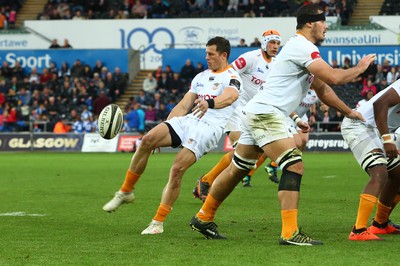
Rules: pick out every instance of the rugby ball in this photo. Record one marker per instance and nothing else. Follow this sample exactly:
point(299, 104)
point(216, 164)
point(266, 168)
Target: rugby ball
point(110, 121)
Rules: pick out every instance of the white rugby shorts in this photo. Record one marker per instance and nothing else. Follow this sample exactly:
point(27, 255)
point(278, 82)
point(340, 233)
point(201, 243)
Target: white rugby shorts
point(196, 135)
point(261, 129)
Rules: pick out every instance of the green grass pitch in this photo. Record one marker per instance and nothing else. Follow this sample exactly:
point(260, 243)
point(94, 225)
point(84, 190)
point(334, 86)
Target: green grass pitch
point(60, 196)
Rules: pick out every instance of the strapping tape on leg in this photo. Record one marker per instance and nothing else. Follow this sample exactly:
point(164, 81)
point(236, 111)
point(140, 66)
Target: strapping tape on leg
point(373, 159)
point(243, 163)
point(289, 157)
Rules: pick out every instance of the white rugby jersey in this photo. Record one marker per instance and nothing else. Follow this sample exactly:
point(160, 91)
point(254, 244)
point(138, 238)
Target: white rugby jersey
point(289, 80)
point(310, 99)
point(209, 84)
point(253, 68)
point(367, 109)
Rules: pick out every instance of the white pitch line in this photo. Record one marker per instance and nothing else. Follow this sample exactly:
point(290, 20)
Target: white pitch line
point(21, 214)
point(329, 176)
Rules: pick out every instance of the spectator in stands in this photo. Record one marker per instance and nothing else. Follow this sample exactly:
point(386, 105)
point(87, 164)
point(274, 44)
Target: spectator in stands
point(379, 76)
point(150, 115)
point(103, 73)
point(78, 15)
point(332, 7)
point(392, 75)
point(61, 126)
point(256, 43)
point(386, 67)
point(64, 71)
point(335, 64)
point(77, 69)
point(251, 9)
point(142, 98)
point(150, 84)
point(346, 63)
point(170, 105)
point(24, 96)
point(54, 44)
point(139, 10)
point(242, 43)
point(187, 72)
point(159, 9)
point(199, 68)
point(163, 84)
point(87, 72)
point(120, 80)
point(113, 90)
point(97, 68)
point(157, 73)
point(120, 14)
point(66, 44)
point(264, 9)
point(100, 102)
point(12, 18)
point(383, 84)
point(162, 113)
point(110, 15)
point(337, 122)
point(3, 20)
point(220, 6)
point(9, 117)
point(345, 11)
point(45, 76)
point(135, 118)
point(169, 71)
point(77, 126)
point(176, 85)
point(369, 94)
point(232, 5)
point(368, 87)
point(325, 126)
point(6, 70)
point(34, 76)
point(156, 101)
point(18, 71)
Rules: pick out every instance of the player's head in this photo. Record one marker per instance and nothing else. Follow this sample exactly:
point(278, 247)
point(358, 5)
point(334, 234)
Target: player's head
point(218, 50)
point(270, 42)
point(312, 18)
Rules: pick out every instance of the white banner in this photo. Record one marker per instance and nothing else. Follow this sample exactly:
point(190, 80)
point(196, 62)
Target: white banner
point(391, 23)
point(151, 36)
point(92, 142)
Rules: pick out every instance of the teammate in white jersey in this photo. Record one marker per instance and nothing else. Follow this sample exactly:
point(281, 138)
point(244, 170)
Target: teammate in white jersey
point(213, 93)
point(300, 136)
point(264, 125)
point(377, 153)
point(253, 67)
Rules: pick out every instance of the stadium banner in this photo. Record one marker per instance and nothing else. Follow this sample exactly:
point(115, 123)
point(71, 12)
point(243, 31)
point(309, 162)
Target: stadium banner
point(326, 142)
point(328, 53)
point(392, 23)
point(93, 142)
point(40, 59)
point(126, 142)
point(40, 142)
point(151, 36)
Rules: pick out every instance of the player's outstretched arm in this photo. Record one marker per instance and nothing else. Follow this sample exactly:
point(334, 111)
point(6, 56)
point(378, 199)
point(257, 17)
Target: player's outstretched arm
point(337, 76)
point(328, 96)
point(184, 105)
point(228, 97)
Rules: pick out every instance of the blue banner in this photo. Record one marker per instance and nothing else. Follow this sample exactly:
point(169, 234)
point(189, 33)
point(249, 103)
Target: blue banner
point(40, 59)
point(176, 57)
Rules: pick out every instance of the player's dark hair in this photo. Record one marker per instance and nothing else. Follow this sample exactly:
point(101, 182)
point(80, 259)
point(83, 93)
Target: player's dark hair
point(309, 13)
point(223, 45)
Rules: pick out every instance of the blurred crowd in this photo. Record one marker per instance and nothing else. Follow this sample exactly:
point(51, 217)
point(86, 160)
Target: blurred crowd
point(33, 101)
point(122, 9)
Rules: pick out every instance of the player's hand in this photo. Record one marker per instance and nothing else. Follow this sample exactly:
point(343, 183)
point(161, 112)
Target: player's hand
point(391, 150)
point(304, 126)
point(355, 115)
point(200, 108)
point(364, 62)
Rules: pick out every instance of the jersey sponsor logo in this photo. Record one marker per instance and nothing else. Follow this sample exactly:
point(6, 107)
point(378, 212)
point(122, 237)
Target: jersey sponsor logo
point(240, 63)
point(315, 55)
point(206, 96)
point(257, 80)
point(260, 70)
point(234, 83)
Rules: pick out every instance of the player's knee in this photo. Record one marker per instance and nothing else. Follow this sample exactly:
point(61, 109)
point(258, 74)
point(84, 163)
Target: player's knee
point(243, 163)
point(291, 157)
point(148, 142)
point(373, 159)
point(289, 181)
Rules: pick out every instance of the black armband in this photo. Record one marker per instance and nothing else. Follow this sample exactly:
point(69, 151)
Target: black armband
point(210, 103)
